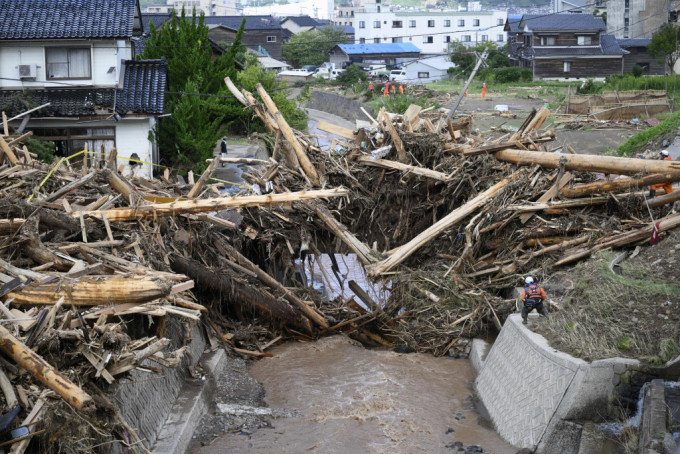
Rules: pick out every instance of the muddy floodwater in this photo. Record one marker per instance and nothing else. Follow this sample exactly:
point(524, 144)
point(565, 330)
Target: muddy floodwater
point(354, 400)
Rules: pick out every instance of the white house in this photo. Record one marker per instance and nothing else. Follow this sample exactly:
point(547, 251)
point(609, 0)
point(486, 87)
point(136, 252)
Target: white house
point(209, 7)
point(78, 55)
point(431, 31)
point(426, 70)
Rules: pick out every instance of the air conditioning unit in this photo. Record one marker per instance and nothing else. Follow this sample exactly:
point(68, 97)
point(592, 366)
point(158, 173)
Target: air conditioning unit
point(27, 71)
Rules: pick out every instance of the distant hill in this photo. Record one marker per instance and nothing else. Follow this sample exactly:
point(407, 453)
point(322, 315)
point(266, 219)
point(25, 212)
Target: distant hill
point(517, 3)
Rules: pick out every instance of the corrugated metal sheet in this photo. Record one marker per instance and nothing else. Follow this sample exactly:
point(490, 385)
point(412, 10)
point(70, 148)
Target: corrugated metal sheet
point(379, 48)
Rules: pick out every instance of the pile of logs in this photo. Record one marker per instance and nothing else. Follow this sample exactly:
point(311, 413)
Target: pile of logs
point(446, 218)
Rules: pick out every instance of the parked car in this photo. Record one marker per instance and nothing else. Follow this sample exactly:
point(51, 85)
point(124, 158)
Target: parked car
point(398, 75)
point(310, 68)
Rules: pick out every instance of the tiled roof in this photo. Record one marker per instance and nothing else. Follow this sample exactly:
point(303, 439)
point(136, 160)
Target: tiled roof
point(569, 21)
point(634, 42)
point(379, 48)
point(252, 22)
point(610, 45)
point(66, 19)
point(143, 92)
point(302, 21)
point(144, 85)
point(512, 24)
point(156, 18)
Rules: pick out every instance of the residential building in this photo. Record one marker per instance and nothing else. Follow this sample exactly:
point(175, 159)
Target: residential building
point(78, 55)
point(260, 33)
point(578, 6)
point(426, 70)
point(636, 18)
point(318, 9)
point(430, 31)
point(297, 24)
point(565, 46)
point(388, 53)
point(639, 55)
point(209, 7)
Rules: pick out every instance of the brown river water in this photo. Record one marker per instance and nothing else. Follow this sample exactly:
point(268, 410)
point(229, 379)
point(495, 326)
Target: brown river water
point(354, 400)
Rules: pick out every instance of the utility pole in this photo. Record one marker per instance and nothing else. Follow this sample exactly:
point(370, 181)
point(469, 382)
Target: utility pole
point(480, 60)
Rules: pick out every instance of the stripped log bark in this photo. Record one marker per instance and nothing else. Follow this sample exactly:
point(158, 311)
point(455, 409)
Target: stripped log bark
point(123, 187)
point(288, 133)
point(200, 206)
point(406, 168)
point(587, 163)
point(549, 194)
point(36, 251)
point(620, 184)
point(200, 184)
point(44, 372)
point(664, 199)
point(457, 215)
point(386, 125)
point(69, 187)
point(94, 292)
point(246, 296)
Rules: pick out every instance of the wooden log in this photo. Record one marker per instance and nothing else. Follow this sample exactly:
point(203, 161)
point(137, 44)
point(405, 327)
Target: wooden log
point(587, 163)
point(549, 194)
point(619, 184)
point(8, 152)
point(154, 210)
point(335, 129)
point(94, 291)
point(388, 164)
point(200, 184)
point(231, 290)
point(69, 187)
point(37, 251)
point(123, 187)
point(44, 372)
point(247, 161)
point(546, 241)
point(386, 125)
point(288, 133)
point(538, 120)
point(363, 296)
point(363, 252)
point(457, 215)
point(664, 199)
point(20, 138)
point(10, 225)
point(305, 308)
point(622, 239)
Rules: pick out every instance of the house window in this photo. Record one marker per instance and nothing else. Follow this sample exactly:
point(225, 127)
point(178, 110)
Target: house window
point(398, 40)
point(567, 66)
point(362, 40)
point(68, 62)
point(411, 24)
point(547, 40)
point(376, 24)
point(584, 40)
point(447, 39)
point(499, 38)
point(271, 39)
point(362, 24)
point(397, 24)
point(428, 39)
point(423, 75)
point(466, 38)
point(430, 23)
point(447, 23)
point(70, 140)
point(626, 4)
point(376, 40)
point(475, 22)
point(461, 23)
point(485, 38)
point(499, 22)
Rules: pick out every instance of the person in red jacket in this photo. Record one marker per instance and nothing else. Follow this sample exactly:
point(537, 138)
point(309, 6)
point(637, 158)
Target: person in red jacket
point(667, 187)
point(532, 298)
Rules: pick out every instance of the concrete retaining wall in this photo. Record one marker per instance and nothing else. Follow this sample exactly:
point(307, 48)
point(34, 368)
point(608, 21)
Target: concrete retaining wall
point(145, 399)
point(531, 389)
point(349, 109)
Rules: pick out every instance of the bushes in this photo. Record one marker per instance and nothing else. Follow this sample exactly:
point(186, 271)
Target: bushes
point(638, 141)
point(510, 74)
point(399, 103)
point(527, 75)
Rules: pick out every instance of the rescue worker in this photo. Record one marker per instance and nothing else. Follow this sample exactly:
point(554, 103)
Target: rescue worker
point(386, 90)
point(223, 150)
point(394, 89)
point(532, 298)
point(371, 88)
point(667, 187)
point(484, 90)
point(401, 89)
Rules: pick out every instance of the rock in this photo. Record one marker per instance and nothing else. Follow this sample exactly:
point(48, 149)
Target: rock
point(473, 449)
point(450, 430)
point(457, 445)
point(525, 451)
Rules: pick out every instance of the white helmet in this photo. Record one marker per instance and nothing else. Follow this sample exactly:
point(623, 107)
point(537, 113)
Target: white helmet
point(664, 152)
point(529, 280)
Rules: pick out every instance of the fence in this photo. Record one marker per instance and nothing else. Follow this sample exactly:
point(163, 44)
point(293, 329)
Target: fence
point(620, 105)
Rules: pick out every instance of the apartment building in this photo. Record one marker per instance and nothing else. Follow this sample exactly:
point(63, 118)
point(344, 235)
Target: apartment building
point(636, 18)
point(430, 31)
point(209, 7)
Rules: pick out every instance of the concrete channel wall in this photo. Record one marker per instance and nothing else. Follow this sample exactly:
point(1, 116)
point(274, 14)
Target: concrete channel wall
point(532, 391)
point(145, 399)
point(349, 109)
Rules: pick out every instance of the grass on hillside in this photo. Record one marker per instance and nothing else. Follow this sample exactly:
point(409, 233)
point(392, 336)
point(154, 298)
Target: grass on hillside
point(638, 141)
point(608, 315)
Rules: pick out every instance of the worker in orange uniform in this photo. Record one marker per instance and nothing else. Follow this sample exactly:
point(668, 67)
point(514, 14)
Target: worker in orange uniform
point(667, 187)
point(532, 298)
point(394, 89)
point(386, 91)
point(401, 89)
point(371, 88)
point(484, 90)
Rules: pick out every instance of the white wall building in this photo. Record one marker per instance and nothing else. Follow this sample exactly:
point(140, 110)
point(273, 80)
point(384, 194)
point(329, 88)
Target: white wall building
point(426, 70)
point(209, 7)
point(429, 31)
point(318, 9)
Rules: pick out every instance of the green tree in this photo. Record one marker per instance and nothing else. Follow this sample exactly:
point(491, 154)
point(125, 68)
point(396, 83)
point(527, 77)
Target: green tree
point(351, 76)
point(464, 57)
point(665, 44)
point(312, 47)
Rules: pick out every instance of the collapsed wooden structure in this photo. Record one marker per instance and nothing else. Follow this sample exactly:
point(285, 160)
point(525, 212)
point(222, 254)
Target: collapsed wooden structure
point(447, 219)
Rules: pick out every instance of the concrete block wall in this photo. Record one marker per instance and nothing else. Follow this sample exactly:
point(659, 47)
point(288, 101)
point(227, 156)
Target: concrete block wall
point(145, 399)
point(531, 389)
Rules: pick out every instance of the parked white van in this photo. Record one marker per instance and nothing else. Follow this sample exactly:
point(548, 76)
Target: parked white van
point(398, 75)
